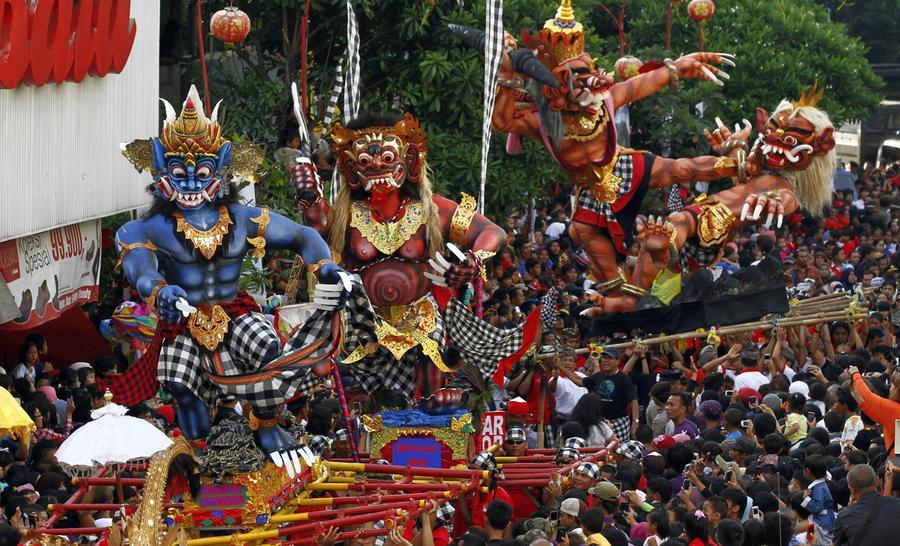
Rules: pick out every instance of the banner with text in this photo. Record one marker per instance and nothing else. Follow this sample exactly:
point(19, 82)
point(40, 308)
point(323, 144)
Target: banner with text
point(51, 271)
point(493, 429)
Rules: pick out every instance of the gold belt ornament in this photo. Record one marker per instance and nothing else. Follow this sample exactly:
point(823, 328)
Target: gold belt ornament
point(602, 182)
point(402, 327)
point(209, 325)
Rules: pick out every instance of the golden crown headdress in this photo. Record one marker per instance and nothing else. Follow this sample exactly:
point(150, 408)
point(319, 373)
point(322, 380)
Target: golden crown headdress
point(810, 98)
point(407, 129)
point(561, 39)
point(191, 133)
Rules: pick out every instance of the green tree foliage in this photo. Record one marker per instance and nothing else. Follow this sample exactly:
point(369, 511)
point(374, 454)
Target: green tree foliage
point(875, 22)
point(411, 62)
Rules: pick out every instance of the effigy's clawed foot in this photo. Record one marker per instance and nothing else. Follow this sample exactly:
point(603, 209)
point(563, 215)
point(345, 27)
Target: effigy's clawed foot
point(289, 459)
point(655, 236)
point(606, 305)
point(281, 447)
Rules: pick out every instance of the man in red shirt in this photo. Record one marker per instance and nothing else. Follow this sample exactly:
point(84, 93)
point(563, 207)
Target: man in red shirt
point(471, 513)
point(526, 500)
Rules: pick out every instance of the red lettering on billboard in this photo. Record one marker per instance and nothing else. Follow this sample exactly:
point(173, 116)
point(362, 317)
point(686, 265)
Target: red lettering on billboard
point(63, 40)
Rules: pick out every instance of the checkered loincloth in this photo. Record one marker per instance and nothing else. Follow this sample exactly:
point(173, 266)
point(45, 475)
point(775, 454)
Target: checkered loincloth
point(621, 427)
point(243, 366)
point(382, 370)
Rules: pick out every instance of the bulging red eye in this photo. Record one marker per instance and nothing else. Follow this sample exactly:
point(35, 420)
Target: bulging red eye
point(789, 140)
point(364, 159)
point(388, 157)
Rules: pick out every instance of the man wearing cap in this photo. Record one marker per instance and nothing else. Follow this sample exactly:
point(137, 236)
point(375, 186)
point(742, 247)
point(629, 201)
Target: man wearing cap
point(340, 447)
point(526, 500)
point(585, 476)
point(515, 443)
point(566, 456)
point(570, 511)
point(607, 495)
point(471, 513)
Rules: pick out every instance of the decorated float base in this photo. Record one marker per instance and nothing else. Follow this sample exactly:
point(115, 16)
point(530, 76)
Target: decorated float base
point(418, 439)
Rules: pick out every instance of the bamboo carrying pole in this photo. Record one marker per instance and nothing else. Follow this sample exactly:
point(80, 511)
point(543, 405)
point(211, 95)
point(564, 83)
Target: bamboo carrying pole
point(728, 330)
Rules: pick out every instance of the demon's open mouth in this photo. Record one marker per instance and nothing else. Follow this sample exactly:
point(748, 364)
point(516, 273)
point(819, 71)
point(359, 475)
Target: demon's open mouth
point(779, 155)
point(190, 199)
point(385, 180)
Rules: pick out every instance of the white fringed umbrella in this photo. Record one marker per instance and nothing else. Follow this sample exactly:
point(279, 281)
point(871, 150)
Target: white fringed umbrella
point(112, 439)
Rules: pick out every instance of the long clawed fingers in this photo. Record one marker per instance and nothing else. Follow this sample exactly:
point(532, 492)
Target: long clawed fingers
point(710, 76)
point(746, 210)
point(727, 58)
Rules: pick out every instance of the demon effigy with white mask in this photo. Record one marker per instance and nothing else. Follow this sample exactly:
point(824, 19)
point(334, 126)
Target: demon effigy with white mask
point(789, 168)
point(184, 257)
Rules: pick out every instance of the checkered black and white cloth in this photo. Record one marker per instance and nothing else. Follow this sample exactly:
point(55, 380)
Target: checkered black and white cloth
point(550, 307)
point(243, 365)
point(632, 449)
point(480, 343)
point(621, 428)
point(567, 454)
point(493, 52)
point(624, 169)
point(351, 92)
point(590, 470)
point(675, 202)
point(516, 434)
point(576, 442)
point(694, 255)
point(381, 370)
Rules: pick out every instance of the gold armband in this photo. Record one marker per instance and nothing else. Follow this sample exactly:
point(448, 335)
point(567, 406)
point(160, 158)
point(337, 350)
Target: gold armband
point(259, 242)
point(126, 248)
point(741, 169)
point(314, 268)
point(151, 299)
point(723, 166)
point(462, 219)
point(633, 290)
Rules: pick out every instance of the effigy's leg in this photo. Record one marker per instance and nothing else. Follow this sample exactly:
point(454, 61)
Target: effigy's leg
point(269, 434)
point(428, 377)
point(661, 241)
point(193, 413)
point(599, 249)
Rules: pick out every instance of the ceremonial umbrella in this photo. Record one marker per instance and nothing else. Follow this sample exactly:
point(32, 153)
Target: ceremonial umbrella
point(112, 439)
point(13, 419)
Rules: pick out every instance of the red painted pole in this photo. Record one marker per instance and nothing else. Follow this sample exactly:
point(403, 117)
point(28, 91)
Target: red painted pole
point(200, 38)
point(669, 28)
point(134, 482)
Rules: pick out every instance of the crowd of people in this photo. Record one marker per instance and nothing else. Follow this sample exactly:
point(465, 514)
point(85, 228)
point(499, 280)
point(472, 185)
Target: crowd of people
point(770, 438)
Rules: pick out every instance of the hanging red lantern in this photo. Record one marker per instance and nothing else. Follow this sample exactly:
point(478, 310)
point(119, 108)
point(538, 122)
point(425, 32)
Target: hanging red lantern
point(628, 67)
point(701, 10)
point(229, 25)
